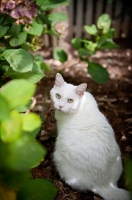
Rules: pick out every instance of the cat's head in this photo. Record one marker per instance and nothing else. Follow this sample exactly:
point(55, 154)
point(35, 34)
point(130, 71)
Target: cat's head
point(67, 97)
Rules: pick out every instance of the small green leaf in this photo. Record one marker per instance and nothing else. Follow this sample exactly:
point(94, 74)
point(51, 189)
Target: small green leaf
point(45, 67)
point(76, 42)
point(98, 73)
point(57, 17)
point(48, 4)
point(37, 189)
point(104, 22)
point(4, 108)
point(92, 30)
point(33, 76)
point(24, 154)
point(31, 122)
point(35, 29)
point(19, 59)
point(59, 54)
point(3, 30)
point(91, 46)
point(15, 29)
point(18, 92)
point(11, 129)
point(83, 52)
point(18, 40)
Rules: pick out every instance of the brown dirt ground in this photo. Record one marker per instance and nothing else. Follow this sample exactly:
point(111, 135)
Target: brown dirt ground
point(114, 99)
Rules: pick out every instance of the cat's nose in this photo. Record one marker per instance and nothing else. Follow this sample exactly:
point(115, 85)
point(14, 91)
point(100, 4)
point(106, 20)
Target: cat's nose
point(60, 106)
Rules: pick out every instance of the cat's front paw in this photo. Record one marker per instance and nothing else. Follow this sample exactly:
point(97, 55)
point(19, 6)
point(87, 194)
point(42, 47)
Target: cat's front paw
point(72, 182)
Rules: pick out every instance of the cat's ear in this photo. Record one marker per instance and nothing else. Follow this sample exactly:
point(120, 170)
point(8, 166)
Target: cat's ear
point(59, 81)
point(80, 89)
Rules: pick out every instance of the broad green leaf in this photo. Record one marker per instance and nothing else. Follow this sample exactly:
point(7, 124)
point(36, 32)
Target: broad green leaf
point(91, 46)
point(35, 29)
point(104, 22)
point(109, 44)
point(31, 122)
point(59, 54)
point(19, 39)
point(7, 194)
point(76, 42)
point(4, 109)
point(19, 59)
point(92, 30)
point(98, 73)
point(33, 76)
point(57, 17)
point(24, 154)
point(24, 108)
point(15, 29)
point(37, 189)
point(11, 129)
point(3, 30)
point(83, 52)
point(50, 4)
point(18, 92)
point(15, 180)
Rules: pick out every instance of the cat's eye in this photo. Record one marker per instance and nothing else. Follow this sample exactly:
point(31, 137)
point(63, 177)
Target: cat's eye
point(70, 100)
point(58, 96)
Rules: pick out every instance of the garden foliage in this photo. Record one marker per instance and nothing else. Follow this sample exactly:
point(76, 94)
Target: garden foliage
point(22, 26)
point(102, 35)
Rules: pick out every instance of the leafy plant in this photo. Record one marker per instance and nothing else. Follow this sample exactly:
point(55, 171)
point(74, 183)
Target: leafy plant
point(102, 39)
point(19, 150)
point(22, 27)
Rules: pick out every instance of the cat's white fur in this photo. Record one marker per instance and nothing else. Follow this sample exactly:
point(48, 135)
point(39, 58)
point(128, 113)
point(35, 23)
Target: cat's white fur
point(86, 154)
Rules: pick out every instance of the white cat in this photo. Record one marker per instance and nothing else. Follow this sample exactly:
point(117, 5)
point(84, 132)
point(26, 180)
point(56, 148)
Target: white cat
point(86, 155)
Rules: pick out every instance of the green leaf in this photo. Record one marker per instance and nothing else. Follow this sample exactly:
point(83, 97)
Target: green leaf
point(45, 67)
point(37, 189)
point(83, 52)
point(15, 29)
point(128, 173)
point(25, 107)
point(11, 129)
point(6, 193)
point(18, 92)
point(31, 122)
point(59, 54)
point(98, 73)
point(50, 4)
point(24, 154)
point(33, 76)
point(3, 30)
point(13, 179)
point(35, 29)
point(109, 34)
point(57, 17)
point(4, 108)
point(76, 42)
point(109, 44)
point(18, 40)
point(104, 22)
point(91, 46)
point(19, 59)
point(92, 30)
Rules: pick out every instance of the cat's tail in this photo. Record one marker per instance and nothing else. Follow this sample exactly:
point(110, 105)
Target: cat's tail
point(114, 193)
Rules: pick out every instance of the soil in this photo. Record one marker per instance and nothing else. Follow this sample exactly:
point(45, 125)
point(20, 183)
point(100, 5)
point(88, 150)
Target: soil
point(114, 100)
